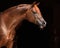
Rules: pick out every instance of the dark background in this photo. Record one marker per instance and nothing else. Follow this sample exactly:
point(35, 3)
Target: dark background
point(30, 35)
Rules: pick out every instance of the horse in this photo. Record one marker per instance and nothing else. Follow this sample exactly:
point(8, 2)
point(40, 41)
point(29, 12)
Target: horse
point(12, 16)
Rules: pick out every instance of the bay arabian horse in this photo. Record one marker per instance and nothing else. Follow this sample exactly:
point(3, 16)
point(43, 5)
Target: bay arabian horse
point(11, 17)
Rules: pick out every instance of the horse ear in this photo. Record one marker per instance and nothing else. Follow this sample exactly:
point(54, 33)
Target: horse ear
point(33, 4)
point(38, 3)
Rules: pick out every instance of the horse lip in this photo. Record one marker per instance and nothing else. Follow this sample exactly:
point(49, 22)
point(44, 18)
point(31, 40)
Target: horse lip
point(42, 26)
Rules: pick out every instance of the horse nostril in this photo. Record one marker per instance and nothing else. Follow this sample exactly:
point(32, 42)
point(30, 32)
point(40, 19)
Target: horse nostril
point(43, 22)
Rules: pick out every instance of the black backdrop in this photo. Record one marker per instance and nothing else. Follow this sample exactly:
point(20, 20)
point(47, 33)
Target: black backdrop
point(30, 35)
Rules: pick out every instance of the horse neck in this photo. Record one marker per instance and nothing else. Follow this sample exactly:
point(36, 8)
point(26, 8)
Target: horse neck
point(11, 22)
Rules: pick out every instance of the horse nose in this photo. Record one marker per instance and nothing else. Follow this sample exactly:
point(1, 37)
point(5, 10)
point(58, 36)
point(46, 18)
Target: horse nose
point(44, 23)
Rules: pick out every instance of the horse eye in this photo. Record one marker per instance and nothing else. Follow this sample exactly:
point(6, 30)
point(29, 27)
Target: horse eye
point(34, 12)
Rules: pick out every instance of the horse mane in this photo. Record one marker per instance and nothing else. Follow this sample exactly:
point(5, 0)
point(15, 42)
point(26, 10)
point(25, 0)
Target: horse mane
point(21, 8)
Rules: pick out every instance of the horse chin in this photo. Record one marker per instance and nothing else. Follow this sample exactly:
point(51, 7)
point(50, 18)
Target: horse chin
point(41, 27)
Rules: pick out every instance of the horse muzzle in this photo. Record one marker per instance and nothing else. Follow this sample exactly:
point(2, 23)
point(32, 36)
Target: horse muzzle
point(43, 24)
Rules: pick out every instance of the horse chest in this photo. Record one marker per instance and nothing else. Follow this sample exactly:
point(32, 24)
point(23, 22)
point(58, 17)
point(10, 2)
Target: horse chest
point(3, 39)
